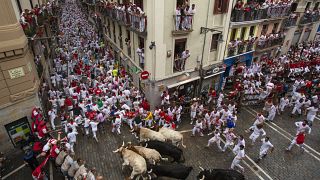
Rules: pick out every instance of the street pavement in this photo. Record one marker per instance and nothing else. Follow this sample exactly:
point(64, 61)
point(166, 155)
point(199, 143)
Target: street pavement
point(279, 165)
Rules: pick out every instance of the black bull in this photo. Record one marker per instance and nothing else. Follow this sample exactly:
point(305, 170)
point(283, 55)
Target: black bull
point(177, 171)
point(220, 174)
point(166, 149)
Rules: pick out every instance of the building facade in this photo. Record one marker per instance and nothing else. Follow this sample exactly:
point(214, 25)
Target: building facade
point(303, 25)
point(155, 38)
point(19, 81)
point(260, 30)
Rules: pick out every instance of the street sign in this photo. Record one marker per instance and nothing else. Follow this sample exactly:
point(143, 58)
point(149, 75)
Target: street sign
point(144, 75)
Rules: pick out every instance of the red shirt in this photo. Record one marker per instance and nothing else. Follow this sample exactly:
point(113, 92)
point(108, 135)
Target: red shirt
point(162, 114)
point(68, 102)
point(167, 118)
point(37, 173)
point(37, 147)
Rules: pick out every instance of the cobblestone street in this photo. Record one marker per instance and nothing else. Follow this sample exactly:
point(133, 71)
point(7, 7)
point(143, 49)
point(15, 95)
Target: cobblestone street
point(277, 165)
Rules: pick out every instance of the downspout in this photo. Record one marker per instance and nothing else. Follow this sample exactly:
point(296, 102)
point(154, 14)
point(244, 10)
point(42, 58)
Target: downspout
point(203, 47)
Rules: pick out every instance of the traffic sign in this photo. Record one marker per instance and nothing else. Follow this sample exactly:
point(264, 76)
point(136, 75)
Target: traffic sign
point(144, 75)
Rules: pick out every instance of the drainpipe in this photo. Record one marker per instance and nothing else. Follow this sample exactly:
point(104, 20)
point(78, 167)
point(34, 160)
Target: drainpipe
point(203, 47)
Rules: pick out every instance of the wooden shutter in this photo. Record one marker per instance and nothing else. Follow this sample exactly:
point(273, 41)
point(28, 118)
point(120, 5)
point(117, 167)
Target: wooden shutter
point(224, 6)
point(215, 7)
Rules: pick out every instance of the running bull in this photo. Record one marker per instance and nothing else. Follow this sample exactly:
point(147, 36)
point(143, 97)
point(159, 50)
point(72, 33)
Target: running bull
point(151, 155)
point(148, 134)
point(177, 171)
point(137, 162)
point(172, 135)
point(219, 174)
point(166, 149)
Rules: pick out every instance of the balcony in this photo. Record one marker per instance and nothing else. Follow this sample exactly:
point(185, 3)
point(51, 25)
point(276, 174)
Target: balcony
point(309, 18)
point(269, 43)
point(182, 24)
point(289, 22)
point(248, 14)
point(133, 21)
point(240, 47)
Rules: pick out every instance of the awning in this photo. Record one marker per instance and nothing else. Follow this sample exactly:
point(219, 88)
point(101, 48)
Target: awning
point(183, 82)
point(213, 75)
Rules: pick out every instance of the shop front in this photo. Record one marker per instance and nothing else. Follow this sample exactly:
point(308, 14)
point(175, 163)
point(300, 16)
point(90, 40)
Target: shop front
point(236, 61)
point(211, 77)
point(232, 64)
point(186, 88)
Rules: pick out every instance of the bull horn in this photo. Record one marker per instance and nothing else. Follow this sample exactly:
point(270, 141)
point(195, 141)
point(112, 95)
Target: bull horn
point(201, 168)
point(115, 151)
point(122, 144)
point(203, 177)
point(146, 145)
point(150, 171)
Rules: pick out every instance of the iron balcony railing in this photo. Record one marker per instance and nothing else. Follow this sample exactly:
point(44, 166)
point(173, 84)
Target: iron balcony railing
point(241, 48)
point(267, 43)
point(309, 18)
point(183, 22)
point(252, 14)
point(289, 22)
point(137, 22)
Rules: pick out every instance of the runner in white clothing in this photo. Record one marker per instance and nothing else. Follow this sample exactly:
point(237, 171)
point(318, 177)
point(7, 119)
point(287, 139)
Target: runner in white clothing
point(236, 161)
point(257, 131)
point(265, 147)
point(312, 113)
point(94, 128)
point(215, 139)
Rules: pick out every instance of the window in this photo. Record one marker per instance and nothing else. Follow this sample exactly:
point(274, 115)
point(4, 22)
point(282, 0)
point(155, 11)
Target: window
point(220, 6)
point(308, 5)
point(251, 32)
point(294, 7)
point(316, 6)
point(275, 27)
point(141, 42)
point(125, 1)
point(264, 29)
point(233, 34)
point(243, 33)
point(139, 3)
point(179, 47)
point(214, 42)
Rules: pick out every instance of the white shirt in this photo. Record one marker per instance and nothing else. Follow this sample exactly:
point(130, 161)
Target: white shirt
point(240, 154)
point(265, 145)
point(312, 111)
point(94, 125)
point(72, 136)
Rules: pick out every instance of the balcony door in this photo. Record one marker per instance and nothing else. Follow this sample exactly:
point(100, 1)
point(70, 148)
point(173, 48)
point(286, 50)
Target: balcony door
point(179, 47)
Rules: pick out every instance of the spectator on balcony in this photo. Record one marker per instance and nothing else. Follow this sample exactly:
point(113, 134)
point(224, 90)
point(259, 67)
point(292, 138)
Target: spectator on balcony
point(184, 56)
point(140, 52)
point(238, 5)
point(191, 13)
point(178, 17)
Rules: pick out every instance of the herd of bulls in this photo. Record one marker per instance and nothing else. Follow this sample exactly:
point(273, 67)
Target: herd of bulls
point(145, 159)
